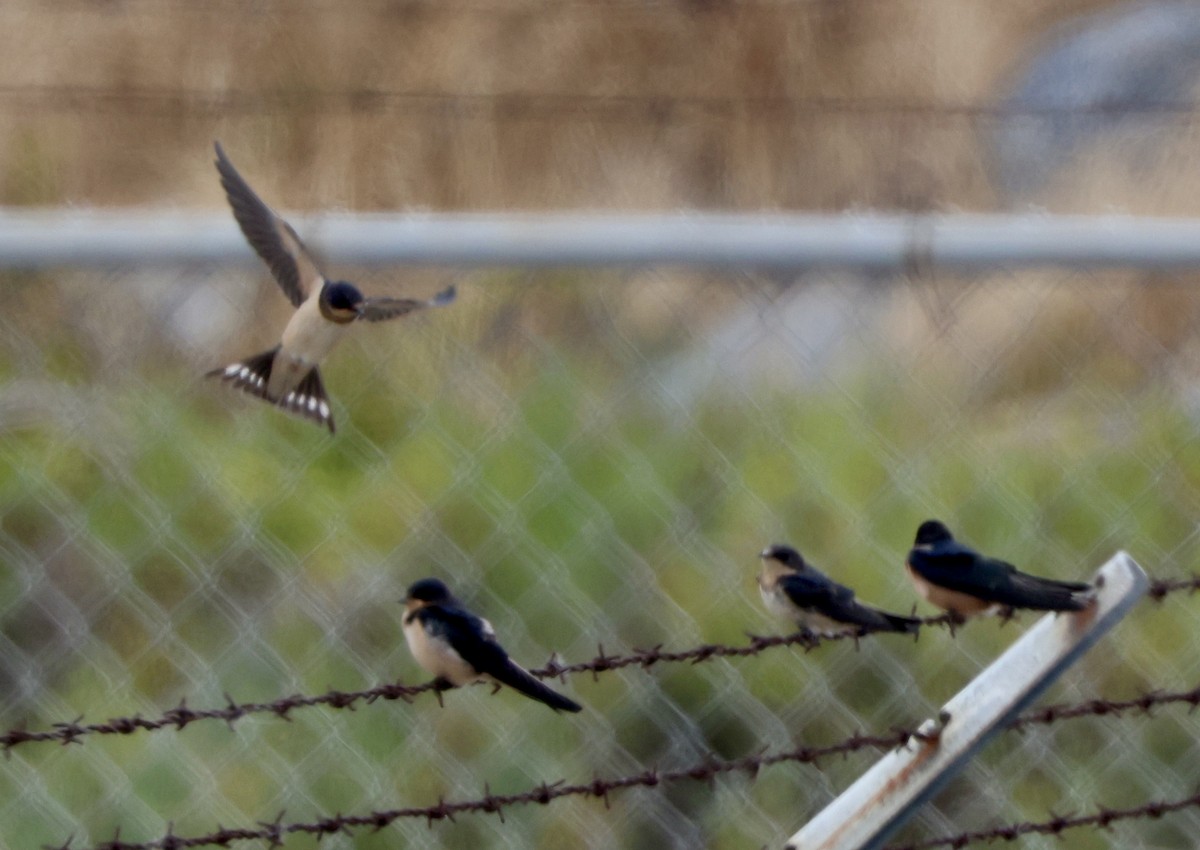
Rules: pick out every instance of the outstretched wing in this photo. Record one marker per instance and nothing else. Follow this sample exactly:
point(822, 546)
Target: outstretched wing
point(382, 309)
point(269, 235)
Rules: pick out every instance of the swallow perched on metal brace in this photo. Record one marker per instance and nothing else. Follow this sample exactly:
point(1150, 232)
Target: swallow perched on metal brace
point(962, 581)
point(287, 375)
point(458, 647)
point(795, 590)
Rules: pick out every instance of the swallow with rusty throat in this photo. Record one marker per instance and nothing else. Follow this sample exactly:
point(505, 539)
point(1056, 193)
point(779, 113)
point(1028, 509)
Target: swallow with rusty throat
point(962, 581)
point(795, 590)
point(287, 375)
point(458, 647)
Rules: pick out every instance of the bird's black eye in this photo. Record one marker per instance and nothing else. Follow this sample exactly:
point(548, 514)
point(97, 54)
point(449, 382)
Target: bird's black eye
point(343, 296)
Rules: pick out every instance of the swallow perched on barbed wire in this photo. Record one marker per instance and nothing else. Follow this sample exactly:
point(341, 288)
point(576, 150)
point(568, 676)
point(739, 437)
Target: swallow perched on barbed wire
point(287, 375)
point(795, 590)
point(962, 581)
point(458, 647)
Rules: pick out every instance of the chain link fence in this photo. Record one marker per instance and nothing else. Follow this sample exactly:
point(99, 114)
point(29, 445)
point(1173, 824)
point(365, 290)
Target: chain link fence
point(592, 459)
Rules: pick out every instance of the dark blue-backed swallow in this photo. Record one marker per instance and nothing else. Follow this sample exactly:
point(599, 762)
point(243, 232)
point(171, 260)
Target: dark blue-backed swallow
point(325, 309)
point(960, 580)
point(794, 589)
point(458, 647)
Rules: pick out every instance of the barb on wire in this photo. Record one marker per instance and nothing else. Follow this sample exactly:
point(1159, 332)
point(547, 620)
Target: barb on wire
point(177, 718)
point(1102, 818)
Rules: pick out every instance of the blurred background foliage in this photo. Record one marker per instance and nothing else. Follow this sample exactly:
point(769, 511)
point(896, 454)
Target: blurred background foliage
point(589, 457)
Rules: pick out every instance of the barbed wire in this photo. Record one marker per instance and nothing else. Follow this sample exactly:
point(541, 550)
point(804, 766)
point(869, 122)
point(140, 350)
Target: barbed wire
point(1102, 818)
point(708, 770)
point(543, 794)
point(177, 718)
point(72, 732)
point(544, 105)
point(1161, 588)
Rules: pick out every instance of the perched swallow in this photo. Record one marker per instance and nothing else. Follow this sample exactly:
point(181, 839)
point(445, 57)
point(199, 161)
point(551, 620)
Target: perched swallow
point(960, 580)
point(325, 309)
point(459, 648)
point(794, 589)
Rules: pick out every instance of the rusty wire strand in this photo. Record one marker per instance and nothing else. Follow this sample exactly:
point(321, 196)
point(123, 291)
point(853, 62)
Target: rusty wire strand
point(526, 106)
point(1102, 818)
point(72, 732)
point(707, 770)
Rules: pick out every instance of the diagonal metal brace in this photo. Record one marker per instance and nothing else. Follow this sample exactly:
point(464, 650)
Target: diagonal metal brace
point(889, 793)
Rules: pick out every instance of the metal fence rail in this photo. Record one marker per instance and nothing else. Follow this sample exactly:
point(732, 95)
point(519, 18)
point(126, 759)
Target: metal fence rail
point(591, 445)
point(44, 238)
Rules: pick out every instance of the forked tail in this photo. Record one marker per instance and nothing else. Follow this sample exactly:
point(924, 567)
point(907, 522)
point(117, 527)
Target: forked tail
point(253, 376)
point(518, 678)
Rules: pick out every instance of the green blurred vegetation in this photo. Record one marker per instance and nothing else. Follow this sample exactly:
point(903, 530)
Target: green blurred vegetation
point(181, 541)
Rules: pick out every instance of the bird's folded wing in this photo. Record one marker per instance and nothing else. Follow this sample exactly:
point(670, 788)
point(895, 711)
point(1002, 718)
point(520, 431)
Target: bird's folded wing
point(964, 571)
point(814, 591)
point(469, 636)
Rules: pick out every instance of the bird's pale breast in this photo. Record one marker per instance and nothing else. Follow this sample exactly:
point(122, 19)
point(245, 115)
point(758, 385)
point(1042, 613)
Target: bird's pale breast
point(306, 340)
point(436, 656)
point(309, 335)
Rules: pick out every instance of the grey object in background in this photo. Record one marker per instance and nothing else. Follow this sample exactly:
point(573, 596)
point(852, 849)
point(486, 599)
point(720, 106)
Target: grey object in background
point(1098, 75)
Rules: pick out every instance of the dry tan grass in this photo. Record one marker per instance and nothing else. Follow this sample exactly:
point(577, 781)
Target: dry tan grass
point(313, 151)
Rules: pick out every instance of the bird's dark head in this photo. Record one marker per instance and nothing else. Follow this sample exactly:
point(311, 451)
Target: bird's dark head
point(427, 591)
point(785, 555)
point(341, 301)
point(931, 531)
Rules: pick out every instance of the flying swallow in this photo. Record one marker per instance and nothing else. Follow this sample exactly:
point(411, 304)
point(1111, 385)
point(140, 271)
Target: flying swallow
point(794, 589)
point(960, 580)
point(458, 647)
point(287, 374)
